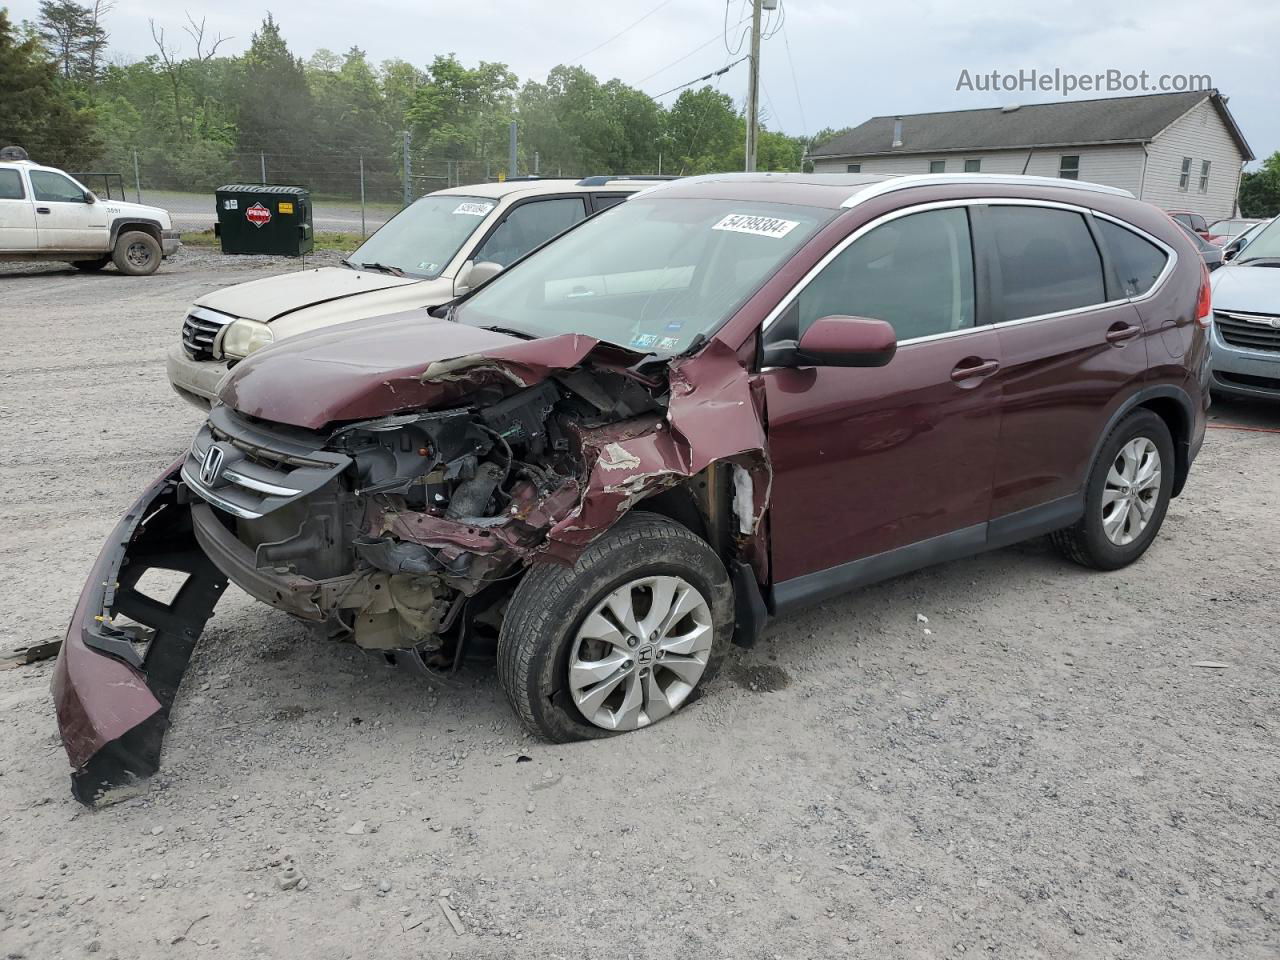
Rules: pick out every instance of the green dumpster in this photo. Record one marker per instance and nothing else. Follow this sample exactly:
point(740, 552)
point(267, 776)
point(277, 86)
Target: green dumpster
point(264, 218)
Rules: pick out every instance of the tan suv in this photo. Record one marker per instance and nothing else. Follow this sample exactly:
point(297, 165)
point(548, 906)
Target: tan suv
point(435, 249)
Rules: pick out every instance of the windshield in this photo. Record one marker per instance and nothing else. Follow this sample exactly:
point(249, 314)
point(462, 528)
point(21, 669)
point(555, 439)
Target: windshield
point(649, 274)
point(421, 239)
point(1264, 244)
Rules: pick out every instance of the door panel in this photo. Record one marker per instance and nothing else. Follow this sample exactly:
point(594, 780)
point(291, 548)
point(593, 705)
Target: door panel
point(1063, 375)
point(64, 221)
point(869, 460)
point(17, 213)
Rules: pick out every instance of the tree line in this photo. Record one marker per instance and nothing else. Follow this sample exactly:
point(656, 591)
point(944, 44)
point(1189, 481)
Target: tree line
point(197, 117)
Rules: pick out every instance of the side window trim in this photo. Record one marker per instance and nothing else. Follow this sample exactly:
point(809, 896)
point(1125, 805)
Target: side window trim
point(981, 283)
point(22, 185)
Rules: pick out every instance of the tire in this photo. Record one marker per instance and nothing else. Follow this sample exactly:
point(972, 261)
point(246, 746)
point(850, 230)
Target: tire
point(550, 617)
point(91, 266)
point(1089, 542)
point(137, 254)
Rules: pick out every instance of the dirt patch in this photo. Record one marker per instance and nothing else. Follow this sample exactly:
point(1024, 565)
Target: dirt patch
point(759, 677)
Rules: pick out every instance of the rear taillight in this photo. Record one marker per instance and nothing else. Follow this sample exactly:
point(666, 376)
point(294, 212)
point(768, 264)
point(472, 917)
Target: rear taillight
point(1204, 306)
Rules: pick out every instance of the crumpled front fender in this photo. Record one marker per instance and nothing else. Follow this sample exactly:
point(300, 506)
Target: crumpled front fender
point(112, 701)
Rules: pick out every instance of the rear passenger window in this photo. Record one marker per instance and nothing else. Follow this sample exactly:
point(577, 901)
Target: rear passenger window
point(1048, 261)
point(11, 185)
point(915, 272)
point(1137, 262)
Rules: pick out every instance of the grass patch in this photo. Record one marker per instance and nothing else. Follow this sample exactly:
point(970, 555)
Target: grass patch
point(324, 240)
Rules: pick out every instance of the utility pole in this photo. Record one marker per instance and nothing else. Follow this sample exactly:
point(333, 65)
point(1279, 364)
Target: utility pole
point(511, 152)
point(753, 87)
point(407, 171)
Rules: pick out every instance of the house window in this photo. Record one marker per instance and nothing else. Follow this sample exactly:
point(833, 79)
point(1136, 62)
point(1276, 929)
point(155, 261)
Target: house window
point(853, 168)
point(1204, 176)
point(937, 166)
point(1184, 179)
point(1069, 167)
point(972, 166)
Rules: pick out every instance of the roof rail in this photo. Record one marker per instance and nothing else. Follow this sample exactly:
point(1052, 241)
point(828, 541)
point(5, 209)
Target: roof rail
point(1009, 180)
point(600, 181)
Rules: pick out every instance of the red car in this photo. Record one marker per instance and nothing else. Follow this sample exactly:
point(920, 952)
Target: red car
point(1196, 224)
point(718, 401)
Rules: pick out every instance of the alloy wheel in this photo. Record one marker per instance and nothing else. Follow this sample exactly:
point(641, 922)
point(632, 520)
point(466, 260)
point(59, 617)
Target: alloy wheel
point(1131, 492)
point(640, 653)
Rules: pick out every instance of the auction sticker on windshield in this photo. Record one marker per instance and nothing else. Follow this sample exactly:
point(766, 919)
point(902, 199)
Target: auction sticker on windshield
point(756, 226)
point(471, 208)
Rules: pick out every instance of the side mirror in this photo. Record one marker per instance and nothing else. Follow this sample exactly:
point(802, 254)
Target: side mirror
point(475, 274)
point(89, 197)
point(836, 342)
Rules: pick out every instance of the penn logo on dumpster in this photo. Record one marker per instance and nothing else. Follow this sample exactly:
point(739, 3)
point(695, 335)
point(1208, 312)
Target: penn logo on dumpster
point(258, 215)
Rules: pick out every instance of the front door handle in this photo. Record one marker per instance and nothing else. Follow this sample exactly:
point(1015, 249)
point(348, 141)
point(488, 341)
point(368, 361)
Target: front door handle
point(1122, 333)
point(973, 368)
point(43, 210)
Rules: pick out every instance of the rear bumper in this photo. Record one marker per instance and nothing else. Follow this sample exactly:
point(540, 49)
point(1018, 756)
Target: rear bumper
point(196, 381)
point(113, 702)
point(1244, 372)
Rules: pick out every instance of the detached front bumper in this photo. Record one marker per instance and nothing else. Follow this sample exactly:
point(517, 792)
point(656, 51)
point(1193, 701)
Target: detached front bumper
point(196, 381)
point(112, 700)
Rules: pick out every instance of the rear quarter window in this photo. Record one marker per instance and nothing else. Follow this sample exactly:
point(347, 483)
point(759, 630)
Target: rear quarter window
point(1138, 263)
point(11, 185)
point(1048, 261)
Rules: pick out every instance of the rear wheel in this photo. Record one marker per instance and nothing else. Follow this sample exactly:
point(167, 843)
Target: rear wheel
point(1126, 497)
point(91, 266)
point(137, 254)
point(621, 639)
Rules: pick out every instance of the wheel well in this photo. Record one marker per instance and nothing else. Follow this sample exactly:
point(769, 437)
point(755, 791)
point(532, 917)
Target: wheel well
point(141, 226)
point(678, 505)
point(1175, 418)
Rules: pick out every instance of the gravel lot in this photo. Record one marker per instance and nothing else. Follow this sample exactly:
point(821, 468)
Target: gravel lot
point(1040, 771)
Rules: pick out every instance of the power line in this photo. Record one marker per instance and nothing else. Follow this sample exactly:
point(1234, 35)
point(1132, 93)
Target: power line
point(701, 46)
point(714, 73)
point(605, 43)
point(795, 84)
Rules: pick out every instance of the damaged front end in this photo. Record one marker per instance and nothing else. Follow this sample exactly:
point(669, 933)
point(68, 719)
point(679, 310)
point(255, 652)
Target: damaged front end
point(404, 532)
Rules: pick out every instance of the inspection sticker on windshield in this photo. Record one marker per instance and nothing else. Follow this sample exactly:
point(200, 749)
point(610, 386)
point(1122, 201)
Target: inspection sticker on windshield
point(757, 226)
point(471, 208)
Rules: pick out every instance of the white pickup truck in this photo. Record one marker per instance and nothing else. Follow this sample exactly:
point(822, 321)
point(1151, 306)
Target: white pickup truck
point(47, 215)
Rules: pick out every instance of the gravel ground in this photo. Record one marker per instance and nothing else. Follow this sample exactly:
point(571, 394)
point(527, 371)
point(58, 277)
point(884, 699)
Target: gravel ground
point(1039, 771)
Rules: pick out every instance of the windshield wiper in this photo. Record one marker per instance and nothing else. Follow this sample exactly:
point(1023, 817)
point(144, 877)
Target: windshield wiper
point(379, 267)
point(522, 335)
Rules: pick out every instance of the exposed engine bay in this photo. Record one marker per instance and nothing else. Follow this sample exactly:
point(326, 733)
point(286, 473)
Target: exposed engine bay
point(413, 516)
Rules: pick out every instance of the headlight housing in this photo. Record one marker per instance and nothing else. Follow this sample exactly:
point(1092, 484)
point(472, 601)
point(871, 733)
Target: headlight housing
point(243, 337)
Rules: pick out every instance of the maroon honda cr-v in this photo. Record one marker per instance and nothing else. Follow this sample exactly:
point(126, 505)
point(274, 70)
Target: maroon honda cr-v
point(722, 399)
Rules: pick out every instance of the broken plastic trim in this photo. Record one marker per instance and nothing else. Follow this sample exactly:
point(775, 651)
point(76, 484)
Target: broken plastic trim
point(112, 703)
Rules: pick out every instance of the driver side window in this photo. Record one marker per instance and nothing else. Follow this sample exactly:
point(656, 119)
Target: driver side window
point(530, 225)
point(55, 188)
point(915, 272)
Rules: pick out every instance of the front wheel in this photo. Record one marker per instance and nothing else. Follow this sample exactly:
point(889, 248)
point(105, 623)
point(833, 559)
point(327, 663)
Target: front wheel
point(1126, 497)
point(137, 254)
point(621, 639)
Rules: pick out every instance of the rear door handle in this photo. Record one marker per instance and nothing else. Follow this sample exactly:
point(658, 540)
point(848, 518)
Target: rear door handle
point(973, 368)
point(43, 210)
point(1121, 334)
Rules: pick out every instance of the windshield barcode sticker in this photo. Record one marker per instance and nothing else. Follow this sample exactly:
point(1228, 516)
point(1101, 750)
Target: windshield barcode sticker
point(471, 208)
point(756, 226)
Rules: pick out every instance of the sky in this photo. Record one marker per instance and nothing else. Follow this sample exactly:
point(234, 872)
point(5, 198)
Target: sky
point(827, 64)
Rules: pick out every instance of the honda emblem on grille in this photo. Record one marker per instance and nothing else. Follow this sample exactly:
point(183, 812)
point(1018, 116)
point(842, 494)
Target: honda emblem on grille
point(211, 469)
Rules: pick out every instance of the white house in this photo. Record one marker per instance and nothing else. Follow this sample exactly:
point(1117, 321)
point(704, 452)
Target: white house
point(1179, 151)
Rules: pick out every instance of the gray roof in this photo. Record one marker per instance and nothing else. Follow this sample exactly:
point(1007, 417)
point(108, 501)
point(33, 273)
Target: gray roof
point(1065, 123)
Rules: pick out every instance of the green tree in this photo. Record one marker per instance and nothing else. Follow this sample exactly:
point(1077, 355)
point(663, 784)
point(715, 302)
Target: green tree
point(462, 113)
point(1260, 189)
point(707, 133)
point(36, 107)
point(275, 108)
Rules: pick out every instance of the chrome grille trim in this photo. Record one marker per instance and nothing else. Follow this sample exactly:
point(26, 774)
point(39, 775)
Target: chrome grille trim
point(200, 329)
point(1249, 331)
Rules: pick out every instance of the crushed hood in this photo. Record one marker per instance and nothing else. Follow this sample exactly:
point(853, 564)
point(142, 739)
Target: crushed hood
point(384, 365)
point(273, 297)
